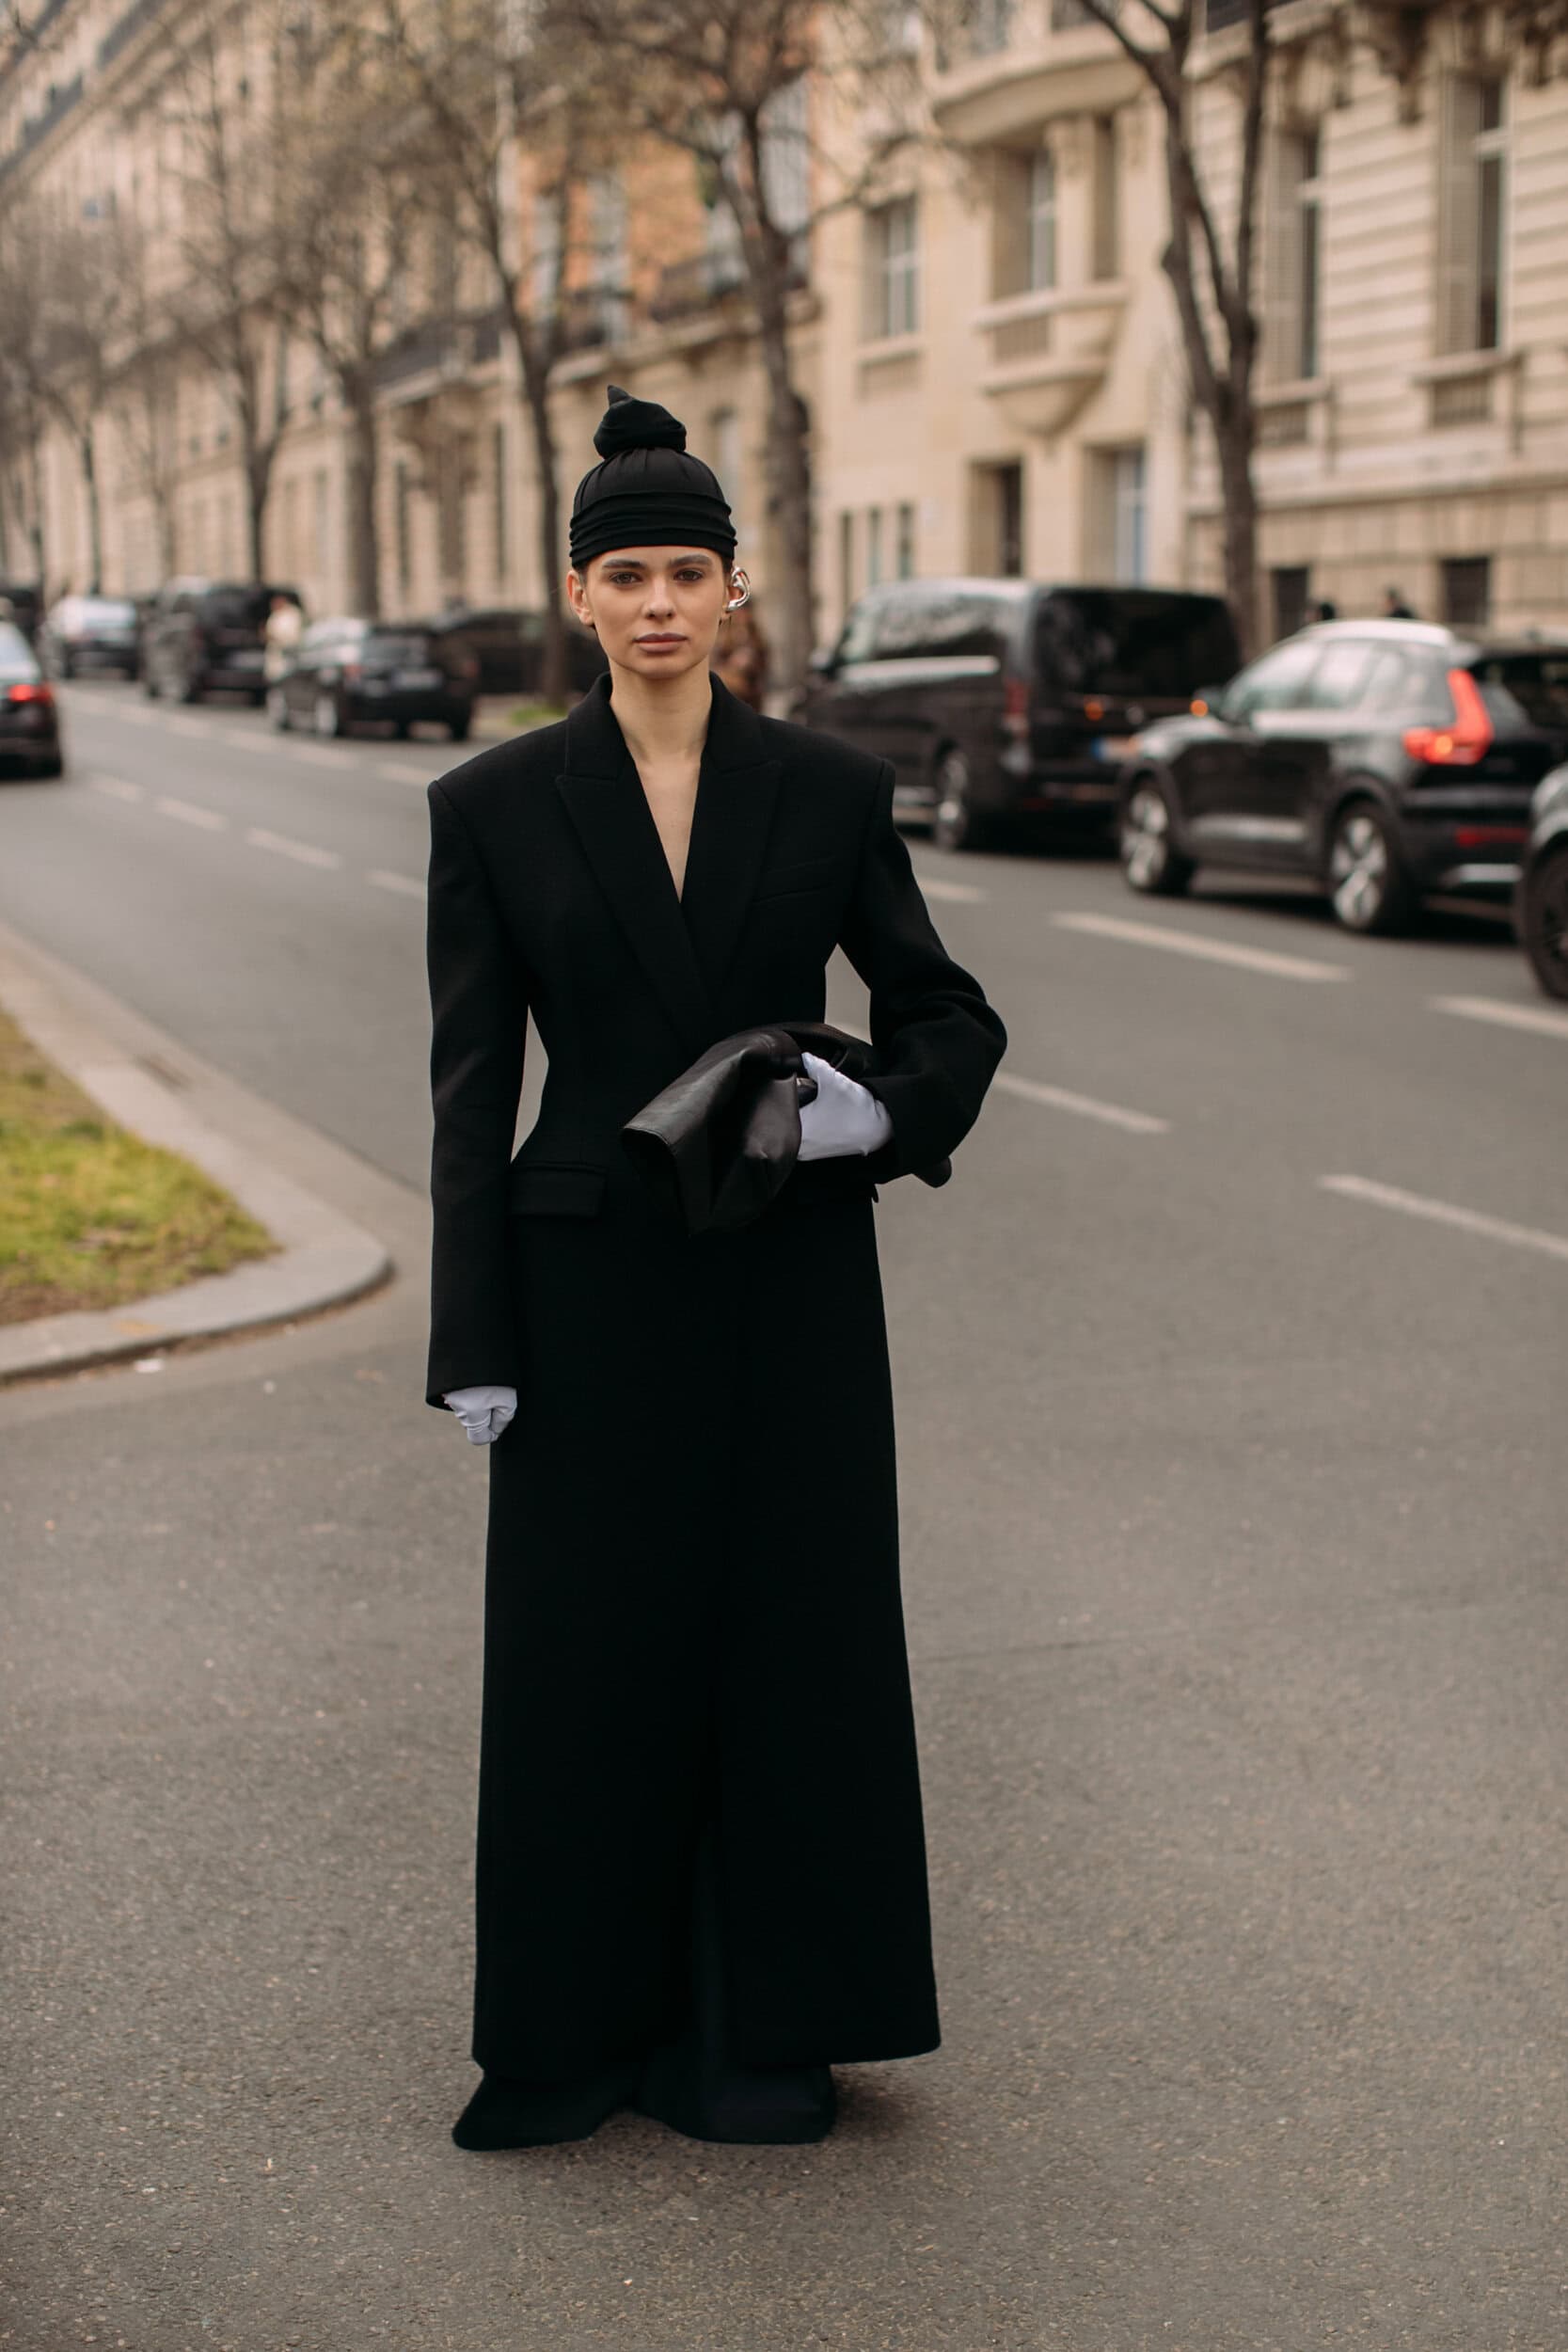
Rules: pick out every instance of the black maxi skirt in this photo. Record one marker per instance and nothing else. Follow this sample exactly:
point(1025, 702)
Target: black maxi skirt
point(694, 1642)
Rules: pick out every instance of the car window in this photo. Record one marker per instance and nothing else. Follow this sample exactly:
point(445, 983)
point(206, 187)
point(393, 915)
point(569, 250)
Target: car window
point(406, 644)
point(858, 638)
point(939, 622)
point(1278, 682)
point(16, 656)
point(1132, 643)
point(1337, 681)
point(1525, 689)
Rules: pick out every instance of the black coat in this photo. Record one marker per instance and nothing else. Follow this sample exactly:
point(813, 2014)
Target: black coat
point(692, 1607)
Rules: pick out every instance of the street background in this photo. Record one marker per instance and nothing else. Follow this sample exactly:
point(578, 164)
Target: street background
point(1232, 1536)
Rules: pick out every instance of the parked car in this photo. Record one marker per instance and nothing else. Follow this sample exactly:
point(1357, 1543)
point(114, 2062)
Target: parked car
point(509, 645)
point(1384, 758)
point(29, 720)
point(25, 601)
point(346, 670)
point(206, 637)
point(1541, 894)
point(90, 633)
point(1001, 699)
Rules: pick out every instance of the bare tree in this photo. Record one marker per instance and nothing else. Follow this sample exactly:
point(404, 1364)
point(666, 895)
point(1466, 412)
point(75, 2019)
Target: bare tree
point(346, 204)
point(729, 83)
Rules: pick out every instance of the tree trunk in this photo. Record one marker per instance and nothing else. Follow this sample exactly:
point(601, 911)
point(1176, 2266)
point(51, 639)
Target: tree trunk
point(554, 682)
point(364, 538)
point(1233, 439)
point(88, 457)
point(790, 609)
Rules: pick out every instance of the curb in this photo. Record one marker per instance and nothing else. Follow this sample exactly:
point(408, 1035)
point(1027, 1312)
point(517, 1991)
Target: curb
point(325, 1258)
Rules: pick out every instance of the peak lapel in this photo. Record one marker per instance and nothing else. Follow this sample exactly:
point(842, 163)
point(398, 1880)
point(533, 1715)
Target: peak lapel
point(605, 799)
point(737, 794)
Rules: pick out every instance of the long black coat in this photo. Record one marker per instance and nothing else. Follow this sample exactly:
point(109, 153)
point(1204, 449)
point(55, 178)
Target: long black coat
point(693, 1608)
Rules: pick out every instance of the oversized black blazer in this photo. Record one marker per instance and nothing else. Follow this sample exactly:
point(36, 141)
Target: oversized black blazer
point(549, 891)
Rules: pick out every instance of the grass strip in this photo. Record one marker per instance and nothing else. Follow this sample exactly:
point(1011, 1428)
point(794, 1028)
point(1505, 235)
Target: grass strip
point(89, 1214)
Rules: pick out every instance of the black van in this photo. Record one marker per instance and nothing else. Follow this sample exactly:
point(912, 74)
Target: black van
point(1001, 699)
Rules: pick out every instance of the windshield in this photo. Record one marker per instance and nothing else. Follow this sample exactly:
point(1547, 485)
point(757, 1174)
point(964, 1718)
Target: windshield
point(1525, 689)
point(108, 611)
point(240, 608)
point(1132, 643)
point(16, 656)
point(403, 645)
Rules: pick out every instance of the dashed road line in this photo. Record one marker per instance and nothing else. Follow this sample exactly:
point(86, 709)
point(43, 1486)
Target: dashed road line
point(117, 788)
point(177, 724)
point(1083, 1106)
point(1445, 1213)
point(960, 894)
point(403, 884)
point(303, 852)
point(1540, 1019)
point(247, 738)
point(321, 755)
point(400, 773)
point(211, 819)
point(1210, 950)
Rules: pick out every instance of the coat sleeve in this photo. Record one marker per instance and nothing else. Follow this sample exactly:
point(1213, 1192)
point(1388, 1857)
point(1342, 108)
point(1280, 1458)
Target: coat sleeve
point(479, 1016)
point(936, 1040)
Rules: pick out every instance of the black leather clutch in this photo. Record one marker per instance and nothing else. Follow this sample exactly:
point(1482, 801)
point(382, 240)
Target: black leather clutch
point(720, 1141)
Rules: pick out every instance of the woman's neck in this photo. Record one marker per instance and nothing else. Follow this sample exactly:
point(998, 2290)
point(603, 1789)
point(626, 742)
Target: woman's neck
point(663, 719)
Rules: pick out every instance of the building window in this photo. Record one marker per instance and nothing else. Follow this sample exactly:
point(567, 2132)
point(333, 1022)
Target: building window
point(500, 526)
point(1468, 590)
point(873, 546)
point(1106, 224)
point(1291, 586)
point(904, 557)
point(545, 262)
point(846, 559)
point(786, 158)
point(997, 520)
point(990, 26)
point(403, 525)
point(1040, 219)
point(1471, 222)
point(1293, 270)
point(323, 521)
point(1123, 519)
point(890, 273)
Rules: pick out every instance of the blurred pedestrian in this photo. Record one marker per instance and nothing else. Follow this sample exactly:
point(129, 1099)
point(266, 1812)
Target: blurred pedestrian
point(1325, 610)
point(285, 625)
point(1395, 606)
point(701, 1874)
point(740, 656)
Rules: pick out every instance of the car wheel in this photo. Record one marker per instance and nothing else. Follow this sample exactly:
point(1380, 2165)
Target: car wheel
point(68, 667)
point(328, 716)
point(53, 766)
point(1543, 922)
point(400, 728)
point(458, 728)
point(1367, 886)
point(955, 823)
point(278, 708)
point(150, 682)
point(1151, 861)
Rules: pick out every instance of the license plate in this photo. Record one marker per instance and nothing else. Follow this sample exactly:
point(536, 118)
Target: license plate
point(1115, 746)
point(416, 678)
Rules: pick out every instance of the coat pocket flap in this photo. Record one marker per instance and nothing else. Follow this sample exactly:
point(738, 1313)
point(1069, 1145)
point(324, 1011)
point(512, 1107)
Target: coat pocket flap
point(546, 1188)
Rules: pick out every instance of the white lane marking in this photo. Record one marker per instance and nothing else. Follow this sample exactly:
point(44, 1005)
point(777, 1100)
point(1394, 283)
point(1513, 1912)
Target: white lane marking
point(322, 756)
point(1539, 1018)
point(1212, 950)
point(1057, 1098)
point(139, 713)
point(961, 894)
point(179, 724)
point(403, 883)
point(304, 852)
point(249, 738)
point(189, 813)
point(117, 788)
point(400, 773)
point(1443, 1213)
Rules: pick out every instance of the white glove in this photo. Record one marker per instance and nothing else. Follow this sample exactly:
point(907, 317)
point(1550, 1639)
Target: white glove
point(484, 1412)
point(845, 1118)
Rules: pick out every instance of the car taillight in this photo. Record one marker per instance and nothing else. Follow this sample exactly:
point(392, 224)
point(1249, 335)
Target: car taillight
point(1015, 706)
point(1465, 740)
point(29, 693)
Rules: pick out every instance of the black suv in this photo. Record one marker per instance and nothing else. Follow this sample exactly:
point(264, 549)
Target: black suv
point(1001, 699)
point(207, 637)
point(1384, 758)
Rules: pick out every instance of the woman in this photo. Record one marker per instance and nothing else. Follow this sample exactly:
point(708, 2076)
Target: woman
point(701, 1874)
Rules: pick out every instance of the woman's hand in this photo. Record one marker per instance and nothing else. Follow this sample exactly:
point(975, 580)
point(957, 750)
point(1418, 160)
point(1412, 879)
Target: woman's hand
point(484, 1412)
point(845, 1118)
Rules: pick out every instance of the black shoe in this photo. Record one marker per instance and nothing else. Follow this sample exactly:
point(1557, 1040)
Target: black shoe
point(754, 2107)
point(508, 2112)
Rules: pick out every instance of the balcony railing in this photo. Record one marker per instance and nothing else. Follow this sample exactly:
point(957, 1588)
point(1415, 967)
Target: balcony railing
point(688, 286)
point(445, 347)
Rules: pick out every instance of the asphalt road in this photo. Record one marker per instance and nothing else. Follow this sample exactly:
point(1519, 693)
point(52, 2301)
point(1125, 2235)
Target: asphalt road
point(1229, 1377)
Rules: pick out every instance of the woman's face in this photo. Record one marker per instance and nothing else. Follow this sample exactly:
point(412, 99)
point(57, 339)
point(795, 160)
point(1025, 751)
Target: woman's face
point(655, 610)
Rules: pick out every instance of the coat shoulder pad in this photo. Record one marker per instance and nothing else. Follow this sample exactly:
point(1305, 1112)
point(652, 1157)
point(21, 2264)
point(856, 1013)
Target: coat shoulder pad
point(824, 753)
point(501, 769)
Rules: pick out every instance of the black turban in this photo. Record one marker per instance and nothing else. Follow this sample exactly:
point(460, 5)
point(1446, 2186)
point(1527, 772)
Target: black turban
point(647, 491)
